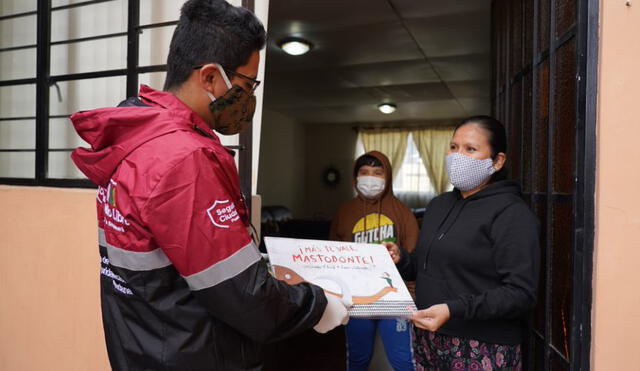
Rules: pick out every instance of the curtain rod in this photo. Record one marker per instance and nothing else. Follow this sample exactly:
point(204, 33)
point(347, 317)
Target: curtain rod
point(416, 126)
point(408, 124)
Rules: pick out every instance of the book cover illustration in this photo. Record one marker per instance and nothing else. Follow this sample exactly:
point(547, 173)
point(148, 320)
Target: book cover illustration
point(361, 273)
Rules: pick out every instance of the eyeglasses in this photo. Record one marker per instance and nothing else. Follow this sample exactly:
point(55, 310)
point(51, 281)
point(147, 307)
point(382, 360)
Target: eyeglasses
point(253, 82)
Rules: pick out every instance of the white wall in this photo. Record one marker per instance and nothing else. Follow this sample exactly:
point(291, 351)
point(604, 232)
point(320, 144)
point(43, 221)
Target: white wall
point(328, 145)
point(293, 157)
point(281, 177)
point(18, 100)
point(262, 12)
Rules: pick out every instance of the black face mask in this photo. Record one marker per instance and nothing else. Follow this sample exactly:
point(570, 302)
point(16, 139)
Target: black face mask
point(233, 111)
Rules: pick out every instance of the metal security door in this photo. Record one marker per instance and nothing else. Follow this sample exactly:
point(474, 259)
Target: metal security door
point(544, 90)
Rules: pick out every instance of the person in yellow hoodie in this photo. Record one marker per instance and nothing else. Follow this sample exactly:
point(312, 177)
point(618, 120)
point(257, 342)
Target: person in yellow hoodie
point(375, 215)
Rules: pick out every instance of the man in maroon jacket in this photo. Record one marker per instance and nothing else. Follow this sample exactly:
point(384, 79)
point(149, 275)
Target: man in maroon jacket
point(183, 285)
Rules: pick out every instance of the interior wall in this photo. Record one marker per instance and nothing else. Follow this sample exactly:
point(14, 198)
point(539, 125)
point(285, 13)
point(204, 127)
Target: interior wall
point(616, 307)
point(261, 10)
point(281, 174)
point(49, 278)
point(328, 145)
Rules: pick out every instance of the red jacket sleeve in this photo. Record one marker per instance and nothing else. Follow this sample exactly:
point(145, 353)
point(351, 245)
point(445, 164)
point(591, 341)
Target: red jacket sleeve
point(193, 218)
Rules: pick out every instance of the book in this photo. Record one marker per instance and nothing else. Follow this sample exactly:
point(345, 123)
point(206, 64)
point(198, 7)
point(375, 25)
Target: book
point(361, 273)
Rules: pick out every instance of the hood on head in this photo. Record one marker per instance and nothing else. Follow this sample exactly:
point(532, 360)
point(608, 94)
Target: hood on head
point(386, 165)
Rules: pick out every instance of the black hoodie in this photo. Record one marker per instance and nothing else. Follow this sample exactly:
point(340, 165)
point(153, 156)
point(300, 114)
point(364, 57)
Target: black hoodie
point(480, 256)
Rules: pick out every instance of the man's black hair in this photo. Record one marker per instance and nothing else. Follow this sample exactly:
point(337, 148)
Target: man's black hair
point(212, 31)
point(366, 160)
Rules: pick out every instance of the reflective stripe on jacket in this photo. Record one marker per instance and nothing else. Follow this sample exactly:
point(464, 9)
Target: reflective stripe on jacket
point(183, 286)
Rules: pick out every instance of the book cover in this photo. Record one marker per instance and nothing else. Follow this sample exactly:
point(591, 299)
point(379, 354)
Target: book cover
point(358, 272)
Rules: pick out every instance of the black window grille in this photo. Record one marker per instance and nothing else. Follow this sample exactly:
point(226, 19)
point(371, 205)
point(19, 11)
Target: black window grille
point(544, 84)
point(26, 158)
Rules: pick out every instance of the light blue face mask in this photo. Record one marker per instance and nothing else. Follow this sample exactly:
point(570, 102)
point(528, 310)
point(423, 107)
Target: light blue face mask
point(467, 173)
point(370, 186)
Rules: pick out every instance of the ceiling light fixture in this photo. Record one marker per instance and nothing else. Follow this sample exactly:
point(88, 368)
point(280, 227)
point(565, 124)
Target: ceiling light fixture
point(387, 108)
point(295, 46)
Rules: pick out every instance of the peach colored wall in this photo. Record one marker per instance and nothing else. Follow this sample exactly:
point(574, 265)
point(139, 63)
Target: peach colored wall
point(616, 310)
point(49, 281)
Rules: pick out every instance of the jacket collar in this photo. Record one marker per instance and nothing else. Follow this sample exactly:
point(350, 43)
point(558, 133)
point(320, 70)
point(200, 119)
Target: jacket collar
point(175, 105)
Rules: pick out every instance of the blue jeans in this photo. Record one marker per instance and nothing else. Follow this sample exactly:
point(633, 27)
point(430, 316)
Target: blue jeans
point(396, 337)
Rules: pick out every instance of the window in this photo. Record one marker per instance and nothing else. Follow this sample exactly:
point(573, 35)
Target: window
point(411, 183)
point(61, 56)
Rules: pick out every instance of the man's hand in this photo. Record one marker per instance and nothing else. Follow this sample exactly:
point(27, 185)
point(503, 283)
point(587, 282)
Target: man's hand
point(394, 251)
point(335, 314)
point(431, 318)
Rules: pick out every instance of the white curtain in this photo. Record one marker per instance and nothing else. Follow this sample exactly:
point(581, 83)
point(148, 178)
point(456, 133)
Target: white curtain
point(417, 157)
point(412, 185)
point(433, 145)
point(391, 142)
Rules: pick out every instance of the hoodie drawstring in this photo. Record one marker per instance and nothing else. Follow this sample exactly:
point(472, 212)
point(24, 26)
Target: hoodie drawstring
point(439, 233)
point(379, 214)
point(364, 213)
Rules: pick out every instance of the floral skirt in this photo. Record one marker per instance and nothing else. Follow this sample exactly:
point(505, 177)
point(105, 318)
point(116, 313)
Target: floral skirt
point(439, 352)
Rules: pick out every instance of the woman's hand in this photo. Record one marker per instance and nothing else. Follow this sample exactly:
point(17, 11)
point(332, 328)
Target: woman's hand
point(394, 251)
point(432, 318)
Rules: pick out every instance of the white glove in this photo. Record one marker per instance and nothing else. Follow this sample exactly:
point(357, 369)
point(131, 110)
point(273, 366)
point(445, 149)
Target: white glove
point(335, 314)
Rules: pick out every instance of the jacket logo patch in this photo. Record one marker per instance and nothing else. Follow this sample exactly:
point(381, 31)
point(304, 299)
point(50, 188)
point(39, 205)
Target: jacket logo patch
point(222, 213)
point(111, 215)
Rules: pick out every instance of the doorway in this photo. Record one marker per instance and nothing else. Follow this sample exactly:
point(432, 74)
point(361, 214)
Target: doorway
point(544, 89)
point(530, 63)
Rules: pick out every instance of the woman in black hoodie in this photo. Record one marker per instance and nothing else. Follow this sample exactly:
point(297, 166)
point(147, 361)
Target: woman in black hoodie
point(476, 262)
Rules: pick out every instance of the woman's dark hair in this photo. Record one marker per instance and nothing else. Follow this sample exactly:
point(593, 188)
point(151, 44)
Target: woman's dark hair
point(366, 160)
point(211, 31)
point(497, 139)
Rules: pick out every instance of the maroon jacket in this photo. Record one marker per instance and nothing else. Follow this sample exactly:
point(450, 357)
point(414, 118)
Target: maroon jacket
point(183, 284)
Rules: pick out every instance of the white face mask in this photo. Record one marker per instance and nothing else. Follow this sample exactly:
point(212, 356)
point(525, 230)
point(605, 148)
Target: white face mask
point(370, 186)
point(467, 173)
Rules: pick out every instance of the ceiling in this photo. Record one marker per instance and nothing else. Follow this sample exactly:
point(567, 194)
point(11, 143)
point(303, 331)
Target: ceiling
point(429, 57)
